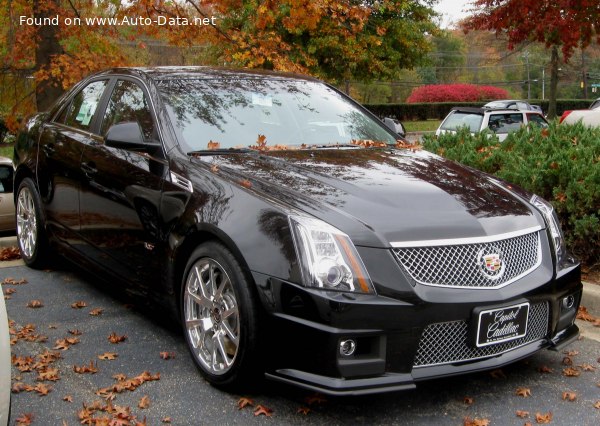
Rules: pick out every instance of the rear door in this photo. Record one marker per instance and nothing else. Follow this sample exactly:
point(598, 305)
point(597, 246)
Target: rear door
point(61, 145)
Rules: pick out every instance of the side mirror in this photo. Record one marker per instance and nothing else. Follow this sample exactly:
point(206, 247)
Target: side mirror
point(128, 135)
point(395, 126)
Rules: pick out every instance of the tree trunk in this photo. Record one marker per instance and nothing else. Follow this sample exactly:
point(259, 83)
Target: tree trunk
point(49, 90)
point(553, 82)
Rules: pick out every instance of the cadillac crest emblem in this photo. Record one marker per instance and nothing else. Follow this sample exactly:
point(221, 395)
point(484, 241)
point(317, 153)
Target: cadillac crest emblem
point(491, 263)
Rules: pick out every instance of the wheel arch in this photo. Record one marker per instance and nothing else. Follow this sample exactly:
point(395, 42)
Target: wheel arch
point(20, 174)
point(201, 235)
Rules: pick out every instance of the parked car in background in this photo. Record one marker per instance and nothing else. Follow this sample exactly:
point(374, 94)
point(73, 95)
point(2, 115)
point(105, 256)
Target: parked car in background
point(289, 232)
point(513, 104)
point(589, 117)
point(5, 366)
point(501, 121)
point(7, 201)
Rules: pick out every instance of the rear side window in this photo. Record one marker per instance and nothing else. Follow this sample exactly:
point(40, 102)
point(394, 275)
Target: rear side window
point(459, 119)
point(82, 108)
point(537, 119)
point(505, 123)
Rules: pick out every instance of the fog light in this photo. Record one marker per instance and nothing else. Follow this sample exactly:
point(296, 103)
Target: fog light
point(347, 347)
point(568, 302)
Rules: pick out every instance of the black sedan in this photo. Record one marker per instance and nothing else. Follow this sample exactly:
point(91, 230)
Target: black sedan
point(290, 232)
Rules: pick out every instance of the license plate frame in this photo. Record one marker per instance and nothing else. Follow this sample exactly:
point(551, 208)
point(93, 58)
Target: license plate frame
point(501, 324)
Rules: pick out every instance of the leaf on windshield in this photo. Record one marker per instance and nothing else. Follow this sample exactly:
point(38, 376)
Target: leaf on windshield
point(367, 143)
point(213, 145)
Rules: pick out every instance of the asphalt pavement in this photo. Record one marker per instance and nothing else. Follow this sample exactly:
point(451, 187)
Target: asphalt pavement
point(171, 391)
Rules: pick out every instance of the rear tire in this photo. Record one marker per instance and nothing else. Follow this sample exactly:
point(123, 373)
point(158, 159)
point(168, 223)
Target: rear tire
point(220, 317)
point(30, 224)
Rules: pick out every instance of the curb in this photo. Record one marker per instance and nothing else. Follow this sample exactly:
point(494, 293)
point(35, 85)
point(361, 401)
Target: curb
point(590, 297)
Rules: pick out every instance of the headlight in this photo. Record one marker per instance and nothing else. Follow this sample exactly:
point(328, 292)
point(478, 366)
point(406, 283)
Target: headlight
point(328, 259)
point(552, 220)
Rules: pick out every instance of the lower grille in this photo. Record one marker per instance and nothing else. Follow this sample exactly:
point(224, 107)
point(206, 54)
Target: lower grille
point(448, 342)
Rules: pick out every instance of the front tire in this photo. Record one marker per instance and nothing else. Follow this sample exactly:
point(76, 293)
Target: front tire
point(30, 223)
point(220, 317)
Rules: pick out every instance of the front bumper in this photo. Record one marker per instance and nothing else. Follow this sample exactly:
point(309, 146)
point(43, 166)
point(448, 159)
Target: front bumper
point(396, 349)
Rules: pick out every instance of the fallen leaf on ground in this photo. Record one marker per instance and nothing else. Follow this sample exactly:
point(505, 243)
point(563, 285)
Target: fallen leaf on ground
point(68, 398)
point(571, 372)
point(524, 392)
point(315, 398)
point(144, 402)
point(91, 368)
point(10, 253)
point(167, 355)
point(75, 332)
point(475, 422)
point(567, 361)
point(569, 396)
point(468, 400)
point(522, 414)
point(50, 374)
point(587, 367)
point(545, 369)
point(543, 418)
point(14, 281)
point(303, 410)
point(42, 389)
point(597, 405)
point(64, 344)
point(244, 402)
point(35, 304)
point(166, 420)
point(97, 311)
point(115, 338)
point(24, 419)
point(79, 304)
point(571, 353)
point(262, 410)
point(109, 356)
point(584, 315)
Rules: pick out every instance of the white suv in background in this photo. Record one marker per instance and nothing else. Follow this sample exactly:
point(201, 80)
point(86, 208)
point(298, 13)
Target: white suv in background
point(499, 121)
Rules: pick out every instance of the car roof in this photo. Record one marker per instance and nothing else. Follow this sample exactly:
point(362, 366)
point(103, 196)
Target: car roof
point(482, 111)
point(202, 72)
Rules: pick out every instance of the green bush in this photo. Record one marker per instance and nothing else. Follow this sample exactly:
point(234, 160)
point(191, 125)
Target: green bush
point(561, 164)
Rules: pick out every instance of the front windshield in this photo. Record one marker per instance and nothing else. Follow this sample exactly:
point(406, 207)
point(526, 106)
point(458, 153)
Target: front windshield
point(264, 113)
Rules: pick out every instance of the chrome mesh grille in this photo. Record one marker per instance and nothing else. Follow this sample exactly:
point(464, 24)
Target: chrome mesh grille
point(447, 342)
point(461, 265)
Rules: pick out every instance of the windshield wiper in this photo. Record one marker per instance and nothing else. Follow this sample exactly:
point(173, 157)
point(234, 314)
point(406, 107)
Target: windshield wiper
point(220, 151)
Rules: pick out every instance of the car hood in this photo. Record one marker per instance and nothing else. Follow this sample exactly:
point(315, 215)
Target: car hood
point(380, 196)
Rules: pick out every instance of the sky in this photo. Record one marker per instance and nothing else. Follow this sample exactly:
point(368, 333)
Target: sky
point(452, 10)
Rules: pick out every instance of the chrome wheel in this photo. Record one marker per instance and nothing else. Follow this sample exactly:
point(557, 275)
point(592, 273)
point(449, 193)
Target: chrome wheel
point(27, 230)
point(211, 316)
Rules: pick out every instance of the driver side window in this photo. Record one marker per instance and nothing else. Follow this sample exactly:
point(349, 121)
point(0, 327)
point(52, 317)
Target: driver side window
point(128, 103)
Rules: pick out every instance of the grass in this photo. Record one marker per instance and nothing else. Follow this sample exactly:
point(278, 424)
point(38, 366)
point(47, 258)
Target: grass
point(6, 150)
point(421, 126)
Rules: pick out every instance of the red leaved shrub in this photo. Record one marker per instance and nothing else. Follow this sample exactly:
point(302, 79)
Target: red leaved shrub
point(455, 93)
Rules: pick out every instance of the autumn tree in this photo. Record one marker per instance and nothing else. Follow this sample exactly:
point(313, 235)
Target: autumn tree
point(337, 40)
point(560, 24)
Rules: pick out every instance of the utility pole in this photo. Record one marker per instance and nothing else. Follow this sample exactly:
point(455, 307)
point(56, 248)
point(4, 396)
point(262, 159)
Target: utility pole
point(526, 54)
point(584, 81)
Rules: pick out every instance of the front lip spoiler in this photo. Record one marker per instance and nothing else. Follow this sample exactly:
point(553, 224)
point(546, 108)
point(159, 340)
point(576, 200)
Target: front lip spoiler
point(342, 387)
point(390, 382)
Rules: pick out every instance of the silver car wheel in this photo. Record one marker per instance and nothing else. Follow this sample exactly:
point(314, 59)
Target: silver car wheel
point(26, 222)
point(211, 316)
